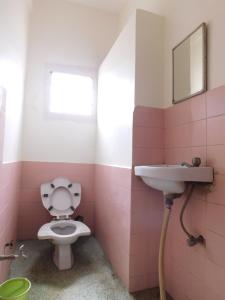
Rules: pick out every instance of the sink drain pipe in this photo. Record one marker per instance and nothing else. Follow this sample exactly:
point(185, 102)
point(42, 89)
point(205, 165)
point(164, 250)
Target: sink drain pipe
point(167, 211)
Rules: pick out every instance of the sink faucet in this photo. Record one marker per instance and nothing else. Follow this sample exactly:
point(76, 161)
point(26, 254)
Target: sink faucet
point(185, 164)
point(196, 161)
point(21, 254)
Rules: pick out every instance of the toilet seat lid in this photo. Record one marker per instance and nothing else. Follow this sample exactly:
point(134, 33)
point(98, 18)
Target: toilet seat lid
point(61, 196)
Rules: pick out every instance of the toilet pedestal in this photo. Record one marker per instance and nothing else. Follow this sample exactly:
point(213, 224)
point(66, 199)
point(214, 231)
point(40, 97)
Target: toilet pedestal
point(61, 197)
point(63, 257)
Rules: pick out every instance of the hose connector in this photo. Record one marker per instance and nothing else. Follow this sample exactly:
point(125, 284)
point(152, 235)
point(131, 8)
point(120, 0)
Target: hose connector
point(168, 198)
point(192, 241)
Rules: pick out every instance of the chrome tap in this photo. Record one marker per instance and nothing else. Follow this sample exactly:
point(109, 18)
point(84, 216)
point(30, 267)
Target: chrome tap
point(21, 254)
point(196, 162)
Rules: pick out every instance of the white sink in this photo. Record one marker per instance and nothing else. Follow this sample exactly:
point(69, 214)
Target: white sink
point(170, 179)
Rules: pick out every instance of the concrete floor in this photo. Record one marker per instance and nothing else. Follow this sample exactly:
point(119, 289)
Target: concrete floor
point(91, 277)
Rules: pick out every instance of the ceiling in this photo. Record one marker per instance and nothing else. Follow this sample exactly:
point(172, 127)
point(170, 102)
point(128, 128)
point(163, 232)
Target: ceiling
point(114, 6)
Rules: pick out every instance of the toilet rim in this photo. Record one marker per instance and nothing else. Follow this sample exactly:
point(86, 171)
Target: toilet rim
point(63, 225)
point(46, 232)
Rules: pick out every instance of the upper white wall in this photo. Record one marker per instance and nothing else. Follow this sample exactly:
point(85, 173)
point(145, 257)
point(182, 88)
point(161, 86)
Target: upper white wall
point(181, 18)
point(107, 5)
point(66, 34)
point(154, 6)
point(116, 100)
point(149, 75)
point(13, 41)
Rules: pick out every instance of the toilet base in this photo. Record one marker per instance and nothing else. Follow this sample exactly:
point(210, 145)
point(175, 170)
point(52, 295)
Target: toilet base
point(63, 257)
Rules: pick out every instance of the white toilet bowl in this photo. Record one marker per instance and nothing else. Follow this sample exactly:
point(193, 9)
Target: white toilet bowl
point(62, 234)
point(61, 197)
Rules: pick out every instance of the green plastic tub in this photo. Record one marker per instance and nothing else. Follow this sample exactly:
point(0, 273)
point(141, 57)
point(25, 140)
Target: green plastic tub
point(15, 289)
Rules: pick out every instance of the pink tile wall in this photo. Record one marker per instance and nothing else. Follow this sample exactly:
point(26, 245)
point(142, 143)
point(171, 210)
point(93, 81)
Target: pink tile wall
point(148, 136)
point(128, 214)
point(146, 204)
point(196, 127)
point(9, 194)
point(32, 214)
point(9, 191)
point(112, 216)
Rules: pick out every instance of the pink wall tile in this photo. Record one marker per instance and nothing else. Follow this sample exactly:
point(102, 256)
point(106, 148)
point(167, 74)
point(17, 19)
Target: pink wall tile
point(148, 117)
point(36, 173)
point(215, 102)
point(146, 156)
point(214, 279)
point(146, 204)
point(138, 283)
point(196, 288)
point(178, 283)
point(148, 137)
point(178, 136)
point(112, 216)
point(215, 218)
point(30, 195)
point(198, 107)
point(215, 254)
point(217, 191)
point(216, 130)
point(2, 128)
point(144, 258)
point(198, 133)
point(186, 112)
point(178, 115)
point(9, 191)
point(212, 294)
point(215, 158)
point(147, 211)
point(169, 117)
point(178, 155)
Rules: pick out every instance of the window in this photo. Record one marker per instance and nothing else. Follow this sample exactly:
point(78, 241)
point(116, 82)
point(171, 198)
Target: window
point(72, 94)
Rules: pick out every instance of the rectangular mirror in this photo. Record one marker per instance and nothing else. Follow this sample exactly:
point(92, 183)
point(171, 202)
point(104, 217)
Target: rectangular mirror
point(189, 65)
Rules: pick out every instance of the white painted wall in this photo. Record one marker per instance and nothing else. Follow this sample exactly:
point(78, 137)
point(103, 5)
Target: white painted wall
point(149, 73)
point(182, 17)
point(116, 100)
point(66, 34)
point(13, 44)
point(154, 6)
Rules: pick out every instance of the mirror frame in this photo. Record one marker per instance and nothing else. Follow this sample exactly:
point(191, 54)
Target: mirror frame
point(204, 62)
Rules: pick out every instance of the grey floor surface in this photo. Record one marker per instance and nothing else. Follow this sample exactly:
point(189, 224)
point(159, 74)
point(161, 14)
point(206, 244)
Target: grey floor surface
point(91, 277)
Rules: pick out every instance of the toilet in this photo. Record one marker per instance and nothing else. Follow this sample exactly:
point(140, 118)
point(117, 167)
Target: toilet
point(61, 197)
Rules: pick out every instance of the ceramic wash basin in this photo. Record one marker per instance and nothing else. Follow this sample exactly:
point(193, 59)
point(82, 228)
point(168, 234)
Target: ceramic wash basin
point(170, 179)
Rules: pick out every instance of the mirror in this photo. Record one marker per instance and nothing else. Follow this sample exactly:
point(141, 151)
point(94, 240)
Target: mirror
point(189, 65)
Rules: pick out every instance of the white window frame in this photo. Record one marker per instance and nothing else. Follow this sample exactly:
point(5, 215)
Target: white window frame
point(89, 72)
